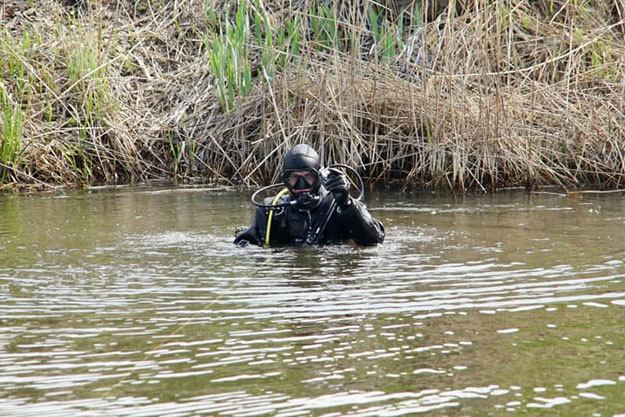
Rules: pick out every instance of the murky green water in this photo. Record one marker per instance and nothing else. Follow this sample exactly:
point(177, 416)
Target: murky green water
point(135, 303)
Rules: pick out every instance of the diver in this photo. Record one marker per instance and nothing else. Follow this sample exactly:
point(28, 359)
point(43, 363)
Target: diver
point(314, 208)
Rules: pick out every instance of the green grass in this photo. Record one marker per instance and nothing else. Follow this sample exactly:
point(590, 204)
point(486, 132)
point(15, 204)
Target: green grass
point(11, 142)
point(228, 51)
point(14, 56)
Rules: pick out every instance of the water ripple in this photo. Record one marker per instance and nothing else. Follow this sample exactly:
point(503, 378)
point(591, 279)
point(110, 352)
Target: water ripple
point(474, 307)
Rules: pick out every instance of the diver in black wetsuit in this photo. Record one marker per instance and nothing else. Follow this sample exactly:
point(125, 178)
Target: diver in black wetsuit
point(311, 212)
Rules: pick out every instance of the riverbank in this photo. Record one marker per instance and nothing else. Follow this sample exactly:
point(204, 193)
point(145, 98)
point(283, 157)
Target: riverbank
point(488, 95)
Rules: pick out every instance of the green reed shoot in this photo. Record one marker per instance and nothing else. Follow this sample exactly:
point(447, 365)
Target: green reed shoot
point(177, 149)
point(417, 18)
point(386, 35)
point(68, 152)
point(78, 160)
point(14, 54)
point(294, 38)
point(263, 33)
point(11, 142)
point(374, 24)
point(209, 12)
point(276, 53)
point(325, 28)
point(82, 63)
point(227, 52)
point(87, 67)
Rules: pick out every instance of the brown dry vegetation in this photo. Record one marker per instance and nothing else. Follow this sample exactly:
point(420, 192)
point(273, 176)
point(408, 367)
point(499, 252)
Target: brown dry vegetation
point(486, 94)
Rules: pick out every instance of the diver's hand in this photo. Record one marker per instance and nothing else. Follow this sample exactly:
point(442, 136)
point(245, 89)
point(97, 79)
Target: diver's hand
point(338, 185)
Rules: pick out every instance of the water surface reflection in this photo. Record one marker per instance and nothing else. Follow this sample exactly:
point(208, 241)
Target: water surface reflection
point(137, 303)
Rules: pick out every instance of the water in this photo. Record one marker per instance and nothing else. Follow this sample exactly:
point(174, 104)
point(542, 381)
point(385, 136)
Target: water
point(135, 303)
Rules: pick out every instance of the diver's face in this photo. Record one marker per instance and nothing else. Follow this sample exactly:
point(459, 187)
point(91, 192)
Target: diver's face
point(300, 181)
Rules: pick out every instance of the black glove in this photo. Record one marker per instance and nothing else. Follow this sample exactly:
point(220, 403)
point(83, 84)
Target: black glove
point(338, 185)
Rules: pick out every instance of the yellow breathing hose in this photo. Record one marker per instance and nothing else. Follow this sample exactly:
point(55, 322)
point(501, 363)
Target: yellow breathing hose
point(270, 218)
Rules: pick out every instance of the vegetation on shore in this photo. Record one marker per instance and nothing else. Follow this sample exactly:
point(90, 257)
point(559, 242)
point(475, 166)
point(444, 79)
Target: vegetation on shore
point(480, 94)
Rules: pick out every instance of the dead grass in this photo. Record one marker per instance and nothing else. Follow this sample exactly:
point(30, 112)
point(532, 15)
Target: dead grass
point(494, 94)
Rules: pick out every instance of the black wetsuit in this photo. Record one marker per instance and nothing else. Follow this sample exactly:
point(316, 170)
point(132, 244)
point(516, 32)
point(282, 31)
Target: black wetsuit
point(292, 226)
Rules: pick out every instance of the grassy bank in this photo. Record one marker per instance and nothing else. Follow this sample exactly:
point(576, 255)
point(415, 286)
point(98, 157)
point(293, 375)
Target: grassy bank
point(488, 94)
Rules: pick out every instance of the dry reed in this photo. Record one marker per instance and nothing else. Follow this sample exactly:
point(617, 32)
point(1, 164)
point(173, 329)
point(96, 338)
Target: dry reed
point(488, 94)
